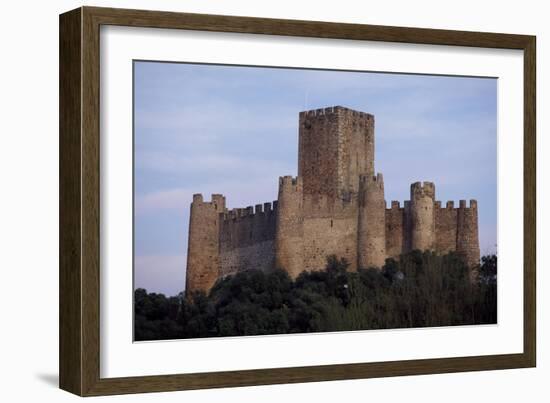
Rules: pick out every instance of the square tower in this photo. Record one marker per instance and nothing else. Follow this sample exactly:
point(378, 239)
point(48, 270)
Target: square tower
point(336, 146)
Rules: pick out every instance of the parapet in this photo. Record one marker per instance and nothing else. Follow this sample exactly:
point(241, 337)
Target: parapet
point(395, 205)
point(462, 204)
point(371, 180)
point(419, 189)
point(336, 109)
point(289, 183)
point(250, 212)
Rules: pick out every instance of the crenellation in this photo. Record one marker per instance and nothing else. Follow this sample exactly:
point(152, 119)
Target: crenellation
point(335, 205)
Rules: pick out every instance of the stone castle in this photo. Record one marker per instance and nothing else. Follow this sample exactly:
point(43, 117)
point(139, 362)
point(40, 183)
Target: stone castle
point(335, 206)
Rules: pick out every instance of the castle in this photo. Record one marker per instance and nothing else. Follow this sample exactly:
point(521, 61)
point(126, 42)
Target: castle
point(335, 206)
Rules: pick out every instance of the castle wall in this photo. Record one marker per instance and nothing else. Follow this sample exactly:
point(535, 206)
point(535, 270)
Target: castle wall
point(247, 239)
point(445, 227)
point(330, 228)
point(395, 230)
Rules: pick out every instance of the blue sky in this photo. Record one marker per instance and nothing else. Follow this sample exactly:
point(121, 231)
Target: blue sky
point(234, 130)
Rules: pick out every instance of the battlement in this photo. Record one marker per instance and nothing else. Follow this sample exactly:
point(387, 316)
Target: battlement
point(394, 205)
point(217, 201)
point(249, 211)
point(334, 110)
point(463, 205)
point(290, 183)
point(378, 178)
point(421, 189)
point(450, 205)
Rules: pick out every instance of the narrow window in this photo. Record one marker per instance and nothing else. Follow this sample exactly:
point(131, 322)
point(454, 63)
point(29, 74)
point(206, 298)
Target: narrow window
point(331, 222)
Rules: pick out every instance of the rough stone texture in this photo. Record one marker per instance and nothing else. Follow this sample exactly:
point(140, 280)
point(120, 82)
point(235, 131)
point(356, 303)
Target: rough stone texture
point(247, 239)
point(336, 146)
point(467, 238)
point(290, 230)
point(260, 256)
point(445, 227)
point(335, 206)
point(371, 246)
point(203, 245)
point(422, 216)
point(395, 234)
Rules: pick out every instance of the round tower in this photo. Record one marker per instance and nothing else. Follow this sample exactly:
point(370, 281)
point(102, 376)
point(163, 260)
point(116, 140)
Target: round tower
point(371, 233)
point(422, 216)
point(289, 227)
point(203, 244)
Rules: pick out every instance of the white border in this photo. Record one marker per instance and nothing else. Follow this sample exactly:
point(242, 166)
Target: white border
point(120, 357)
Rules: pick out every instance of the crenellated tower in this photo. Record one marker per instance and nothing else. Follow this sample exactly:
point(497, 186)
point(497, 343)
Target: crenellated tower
point(289, 228)
point(371, 229)
point(336, 147)
point(467, 243)
point(203, 244)
point(422, 220)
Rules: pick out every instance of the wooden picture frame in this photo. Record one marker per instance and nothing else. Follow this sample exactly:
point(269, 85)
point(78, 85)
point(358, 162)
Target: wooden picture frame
point(79, 279)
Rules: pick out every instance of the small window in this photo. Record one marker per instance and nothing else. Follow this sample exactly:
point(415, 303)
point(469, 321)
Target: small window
point(331, 223)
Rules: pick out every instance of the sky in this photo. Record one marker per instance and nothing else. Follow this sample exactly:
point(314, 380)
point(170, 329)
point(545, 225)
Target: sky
point(234, 130)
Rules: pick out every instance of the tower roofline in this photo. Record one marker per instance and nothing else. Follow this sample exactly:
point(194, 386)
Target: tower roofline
point(334, 109)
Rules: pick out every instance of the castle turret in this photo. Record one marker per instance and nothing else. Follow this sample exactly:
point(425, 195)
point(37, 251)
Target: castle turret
point(203, 245)
point(289, 227)
point(467, 240)
point(422, 219)
point(371, 248)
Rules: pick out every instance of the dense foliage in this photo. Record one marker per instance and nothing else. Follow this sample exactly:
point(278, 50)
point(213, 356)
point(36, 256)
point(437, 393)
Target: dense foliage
point(419, 290)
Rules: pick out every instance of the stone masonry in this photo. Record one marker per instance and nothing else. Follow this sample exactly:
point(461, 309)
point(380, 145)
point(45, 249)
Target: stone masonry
point(335, 206)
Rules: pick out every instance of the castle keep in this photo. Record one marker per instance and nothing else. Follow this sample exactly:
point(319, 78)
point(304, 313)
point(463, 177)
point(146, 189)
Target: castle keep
point(335, 206)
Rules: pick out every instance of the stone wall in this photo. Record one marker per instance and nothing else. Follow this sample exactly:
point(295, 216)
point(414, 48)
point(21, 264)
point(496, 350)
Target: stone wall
point(259, 256)
point(329, 236)
point(395, 230)
point(445, 227)
point(247, 238)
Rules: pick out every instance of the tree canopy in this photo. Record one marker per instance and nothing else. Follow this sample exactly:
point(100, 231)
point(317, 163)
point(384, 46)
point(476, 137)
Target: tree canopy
point(421, 289)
